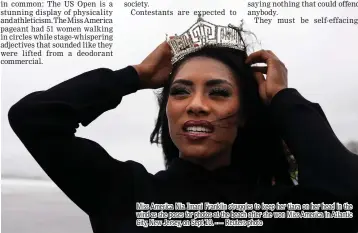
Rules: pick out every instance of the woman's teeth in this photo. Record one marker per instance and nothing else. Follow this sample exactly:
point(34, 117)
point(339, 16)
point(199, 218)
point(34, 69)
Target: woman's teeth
point(198, 129)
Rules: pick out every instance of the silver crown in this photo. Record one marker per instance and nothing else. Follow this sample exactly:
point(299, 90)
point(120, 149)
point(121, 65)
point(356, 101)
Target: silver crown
point(204, 34)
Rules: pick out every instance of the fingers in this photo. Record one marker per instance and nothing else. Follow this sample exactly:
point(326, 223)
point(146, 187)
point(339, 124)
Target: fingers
point(258, 56)
point(261, 69)
point(261, 56)
point(270, 52)
point(166, 47)
point(259, 78)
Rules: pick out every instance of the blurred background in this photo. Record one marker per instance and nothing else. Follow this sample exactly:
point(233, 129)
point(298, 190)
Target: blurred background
point(320, 59)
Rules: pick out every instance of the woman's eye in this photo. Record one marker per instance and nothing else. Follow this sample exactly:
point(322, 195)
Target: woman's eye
point(220, 92)
point(179, 91)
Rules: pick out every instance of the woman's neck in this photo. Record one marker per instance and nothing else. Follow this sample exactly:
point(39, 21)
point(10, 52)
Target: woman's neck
point(211, 162)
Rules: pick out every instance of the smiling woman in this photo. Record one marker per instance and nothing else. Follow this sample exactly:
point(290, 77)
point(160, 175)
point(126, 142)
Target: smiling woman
point(204, 96)
point(221, 125)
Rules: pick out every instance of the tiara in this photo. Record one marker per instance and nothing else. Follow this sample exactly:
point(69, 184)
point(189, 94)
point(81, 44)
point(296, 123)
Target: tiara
point(204, 34)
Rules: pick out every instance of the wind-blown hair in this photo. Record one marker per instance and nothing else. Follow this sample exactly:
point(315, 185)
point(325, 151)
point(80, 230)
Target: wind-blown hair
point(257, 150)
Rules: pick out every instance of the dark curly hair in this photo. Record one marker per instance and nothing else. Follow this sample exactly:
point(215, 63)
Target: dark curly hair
point(257, 150)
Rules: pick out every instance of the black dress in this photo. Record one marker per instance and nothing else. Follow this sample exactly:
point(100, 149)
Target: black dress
point(109, 190)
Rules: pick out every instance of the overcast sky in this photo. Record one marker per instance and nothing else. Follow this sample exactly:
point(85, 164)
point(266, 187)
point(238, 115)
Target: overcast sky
point(321, 60)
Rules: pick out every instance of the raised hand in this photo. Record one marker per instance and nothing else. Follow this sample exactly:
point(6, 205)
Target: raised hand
point(276, 73)
point(156, 67)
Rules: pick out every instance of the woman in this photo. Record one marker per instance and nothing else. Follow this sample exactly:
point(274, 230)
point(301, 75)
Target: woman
point(221, 125)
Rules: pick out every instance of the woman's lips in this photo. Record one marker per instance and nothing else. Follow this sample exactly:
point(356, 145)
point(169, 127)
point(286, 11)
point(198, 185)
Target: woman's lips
point(196, 135)
point(195, 130)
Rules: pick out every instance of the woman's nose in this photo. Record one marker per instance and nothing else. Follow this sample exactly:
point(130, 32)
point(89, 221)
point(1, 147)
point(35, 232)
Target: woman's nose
point(198, 106)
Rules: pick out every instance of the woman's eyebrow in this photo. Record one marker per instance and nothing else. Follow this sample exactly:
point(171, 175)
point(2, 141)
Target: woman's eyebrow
point(183, 81)
point(213, 82)
point(209, 83)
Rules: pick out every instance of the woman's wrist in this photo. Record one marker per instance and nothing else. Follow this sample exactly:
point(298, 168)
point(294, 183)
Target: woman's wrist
point(276, 91)
point(141, 76)
point(138, 69)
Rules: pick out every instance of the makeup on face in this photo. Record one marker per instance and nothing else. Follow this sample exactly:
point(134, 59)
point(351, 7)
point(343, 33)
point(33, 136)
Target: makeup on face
point(203, 100)
point(213, 88)
point(196, 130)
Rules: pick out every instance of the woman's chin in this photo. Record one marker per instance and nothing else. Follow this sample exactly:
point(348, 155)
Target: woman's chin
point(196, 151)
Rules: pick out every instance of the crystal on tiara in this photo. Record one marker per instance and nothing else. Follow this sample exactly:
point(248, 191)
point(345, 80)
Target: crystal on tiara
point(204, 34)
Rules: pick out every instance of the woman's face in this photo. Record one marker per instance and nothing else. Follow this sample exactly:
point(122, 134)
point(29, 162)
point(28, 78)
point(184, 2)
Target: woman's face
point(202, 108)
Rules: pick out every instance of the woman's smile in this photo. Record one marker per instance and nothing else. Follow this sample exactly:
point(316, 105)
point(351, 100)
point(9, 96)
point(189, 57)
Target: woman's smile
point(203, 94)
point(196, 130)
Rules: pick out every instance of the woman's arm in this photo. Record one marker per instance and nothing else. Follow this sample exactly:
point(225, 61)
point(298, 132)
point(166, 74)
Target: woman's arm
point(46, 123)
point(323, 161)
